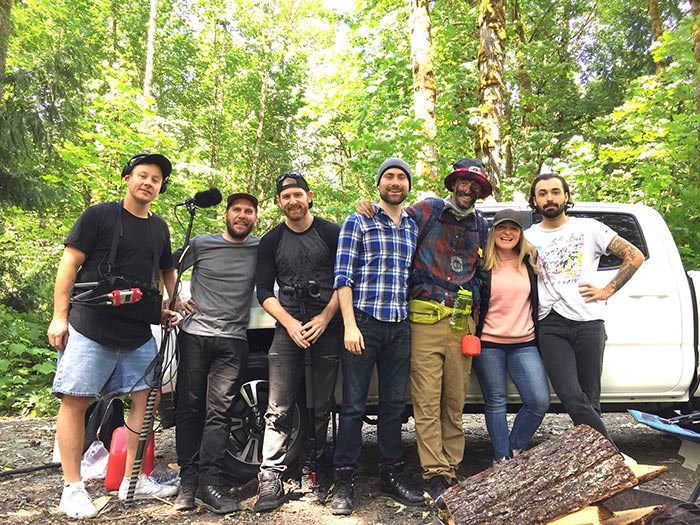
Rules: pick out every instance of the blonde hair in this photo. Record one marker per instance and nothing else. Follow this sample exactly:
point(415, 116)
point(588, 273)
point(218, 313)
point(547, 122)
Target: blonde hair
point(522, 250)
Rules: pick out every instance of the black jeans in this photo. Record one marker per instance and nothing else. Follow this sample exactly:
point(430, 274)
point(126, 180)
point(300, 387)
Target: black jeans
point(209, 374)
point(572, 352)
point(286, 364)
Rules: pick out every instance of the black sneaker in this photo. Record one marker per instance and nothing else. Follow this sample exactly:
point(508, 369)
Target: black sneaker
point(397, 484)
point(270, 491)
point(437, 485)
point(216, 499)
point(341, 504)
point(185, 498)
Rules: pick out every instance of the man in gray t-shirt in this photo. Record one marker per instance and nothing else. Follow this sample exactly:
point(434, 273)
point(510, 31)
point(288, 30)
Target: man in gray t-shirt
point(213, 352)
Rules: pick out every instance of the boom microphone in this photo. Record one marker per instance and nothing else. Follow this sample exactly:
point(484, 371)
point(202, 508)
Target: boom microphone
point(203, 199)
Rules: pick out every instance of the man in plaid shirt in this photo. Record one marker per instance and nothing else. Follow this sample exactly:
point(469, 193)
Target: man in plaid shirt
point(372, 268)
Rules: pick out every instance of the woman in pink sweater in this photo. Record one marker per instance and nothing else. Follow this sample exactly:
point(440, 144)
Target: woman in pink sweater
point(508, 331)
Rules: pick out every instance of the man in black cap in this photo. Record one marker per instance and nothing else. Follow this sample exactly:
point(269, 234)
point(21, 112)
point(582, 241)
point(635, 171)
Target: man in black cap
point(451, 238)
point(213, 349)
point(299, 255)
point(103, 333)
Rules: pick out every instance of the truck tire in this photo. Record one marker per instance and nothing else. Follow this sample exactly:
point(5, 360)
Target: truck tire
point(244, 449)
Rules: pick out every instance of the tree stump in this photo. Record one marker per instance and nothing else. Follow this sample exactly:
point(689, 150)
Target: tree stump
point(566, 473)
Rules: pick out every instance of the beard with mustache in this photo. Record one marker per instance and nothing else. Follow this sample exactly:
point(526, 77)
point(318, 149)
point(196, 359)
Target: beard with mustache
point(238, 235)
point(552, 211)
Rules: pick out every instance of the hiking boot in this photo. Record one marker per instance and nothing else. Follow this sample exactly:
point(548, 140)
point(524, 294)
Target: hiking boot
point(396, 484)
point(341, 504)
point(146, 487)
point(270, 491)
point(437, 485)
point(216, 500)
point(185, 498)
point(75, 501)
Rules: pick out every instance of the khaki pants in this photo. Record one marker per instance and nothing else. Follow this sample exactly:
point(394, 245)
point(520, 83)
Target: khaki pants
point(439, 378)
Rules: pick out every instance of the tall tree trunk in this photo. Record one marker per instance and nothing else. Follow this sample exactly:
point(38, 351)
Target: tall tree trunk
point(657, 29)
point(424, 92)
point(150, 49)
point(262, 113)
point(5, 25)
point(524, 82)
point(492, 34)
point(695, 12)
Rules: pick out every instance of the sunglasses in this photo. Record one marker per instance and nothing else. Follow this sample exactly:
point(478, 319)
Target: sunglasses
point(290, 175)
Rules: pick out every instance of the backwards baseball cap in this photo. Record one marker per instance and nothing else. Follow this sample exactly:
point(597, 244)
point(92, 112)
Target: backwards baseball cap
point(470, 169)
point(507, 215)
point(394, 162)
point(292, 179)
point(247, 196)
point(148, 158)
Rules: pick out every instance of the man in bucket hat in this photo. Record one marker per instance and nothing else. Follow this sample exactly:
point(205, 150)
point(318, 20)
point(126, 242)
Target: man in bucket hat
point(451, 237)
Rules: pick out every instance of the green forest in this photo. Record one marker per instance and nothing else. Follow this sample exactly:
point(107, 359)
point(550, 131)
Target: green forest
point(235, 92)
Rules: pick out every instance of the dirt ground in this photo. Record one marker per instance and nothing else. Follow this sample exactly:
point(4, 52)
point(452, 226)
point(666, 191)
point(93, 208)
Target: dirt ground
point(33, 497)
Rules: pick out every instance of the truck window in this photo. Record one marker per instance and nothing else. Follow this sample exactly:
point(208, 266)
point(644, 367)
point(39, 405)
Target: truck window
point(625, 225)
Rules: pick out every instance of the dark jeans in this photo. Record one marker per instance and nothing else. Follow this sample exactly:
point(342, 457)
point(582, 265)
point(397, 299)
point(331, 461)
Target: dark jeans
point(388, 345)
point(208, 379)
point(572, 352)
point(286, 365)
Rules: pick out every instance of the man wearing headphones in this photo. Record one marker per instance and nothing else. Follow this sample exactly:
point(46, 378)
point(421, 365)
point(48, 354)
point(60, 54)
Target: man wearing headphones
point(103, 337)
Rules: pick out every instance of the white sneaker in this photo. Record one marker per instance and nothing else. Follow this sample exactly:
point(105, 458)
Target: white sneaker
point(75, 501)
point(147, 487)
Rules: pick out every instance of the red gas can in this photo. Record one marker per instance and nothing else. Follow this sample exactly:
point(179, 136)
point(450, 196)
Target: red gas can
point(117, 459)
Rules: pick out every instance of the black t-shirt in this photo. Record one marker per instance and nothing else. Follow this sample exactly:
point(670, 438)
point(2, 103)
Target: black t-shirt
point(142, 251)
point(293, 258)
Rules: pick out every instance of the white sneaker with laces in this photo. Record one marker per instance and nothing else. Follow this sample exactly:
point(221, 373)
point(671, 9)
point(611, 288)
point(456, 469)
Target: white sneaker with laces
point(75, 501)
point(147, 487)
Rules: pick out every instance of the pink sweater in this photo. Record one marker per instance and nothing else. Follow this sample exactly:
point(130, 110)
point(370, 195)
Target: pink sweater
point(509, 318)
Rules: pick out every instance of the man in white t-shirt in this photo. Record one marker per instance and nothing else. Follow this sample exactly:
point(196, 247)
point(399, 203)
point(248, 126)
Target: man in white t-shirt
point(571, 327)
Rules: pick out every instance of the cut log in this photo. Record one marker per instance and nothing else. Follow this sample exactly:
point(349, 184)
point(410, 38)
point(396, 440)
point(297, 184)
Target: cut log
point(634, 516)
point(646, 472)
point(562, 475)
point(586, 516)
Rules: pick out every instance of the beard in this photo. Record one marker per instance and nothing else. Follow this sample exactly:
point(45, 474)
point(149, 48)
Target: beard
point(390, 198)
point(239, 234)
point(552, 212)
point(465, 199)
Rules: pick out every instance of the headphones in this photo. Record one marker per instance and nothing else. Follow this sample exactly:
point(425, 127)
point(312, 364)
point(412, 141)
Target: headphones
point(136, 160)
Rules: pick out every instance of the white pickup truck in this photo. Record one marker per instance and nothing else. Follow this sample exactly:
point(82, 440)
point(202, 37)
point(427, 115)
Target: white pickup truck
point(651, 355)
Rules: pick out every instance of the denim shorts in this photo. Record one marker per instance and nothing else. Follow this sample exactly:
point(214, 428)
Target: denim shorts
point(87, 368)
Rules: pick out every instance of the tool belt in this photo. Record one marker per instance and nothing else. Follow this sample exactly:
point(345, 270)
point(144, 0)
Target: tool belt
point(426, 311)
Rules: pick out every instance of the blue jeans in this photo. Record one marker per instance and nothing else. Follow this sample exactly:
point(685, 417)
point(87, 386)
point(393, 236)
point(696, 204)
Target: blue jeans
point(388, 345)
point(525, 368)
point(209, 376)
point(572, 352)
point(286, 364)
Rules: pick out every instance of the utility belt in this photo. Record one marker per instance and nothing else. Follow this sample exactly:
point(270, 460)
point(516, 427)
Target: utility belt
point(427, 311)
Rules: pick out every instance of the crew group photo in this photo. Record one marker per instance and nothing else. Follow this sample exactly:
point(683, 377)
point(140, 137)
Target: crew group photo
point(417, 301)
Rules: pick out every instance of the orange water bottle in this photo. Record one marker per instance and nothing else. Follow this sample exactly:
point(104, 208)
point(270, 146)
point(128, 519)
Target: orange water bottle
point(116, 464)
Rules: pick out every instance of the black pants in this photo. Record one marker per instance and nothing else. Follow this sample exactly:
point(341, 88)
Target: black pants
point(209, 375)
point(572, 352)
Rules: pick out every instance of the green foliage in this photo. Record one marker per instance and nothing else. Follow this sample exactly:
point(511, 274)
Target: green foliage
point(27, 365)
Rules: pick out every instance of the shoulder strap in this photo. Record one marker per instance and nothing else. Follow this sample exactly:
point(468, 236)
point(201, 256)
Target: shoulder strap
point(118, 232)
point(435, 212)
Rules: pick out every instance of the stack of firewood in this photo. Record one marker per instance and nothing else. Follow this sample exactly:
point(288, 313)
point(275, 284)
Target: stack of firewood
point(562, 481)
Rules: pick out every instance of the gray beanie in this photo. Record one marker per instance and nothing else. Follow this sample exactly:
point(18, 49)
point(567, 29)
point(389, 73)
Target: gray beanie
point(394, 162)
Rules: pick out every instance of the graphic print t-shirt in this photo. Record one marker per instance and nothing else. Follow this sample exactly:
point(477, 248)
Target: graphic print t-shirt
point(569, 256)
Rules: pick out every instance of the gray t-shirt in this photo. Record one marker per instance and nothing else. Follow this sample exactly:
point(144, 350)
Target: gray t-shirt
point(222, 285)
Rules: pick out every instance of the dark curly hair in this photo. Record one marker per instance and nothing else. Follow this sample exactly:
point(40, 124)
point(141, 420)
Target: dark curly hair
point(547, 176)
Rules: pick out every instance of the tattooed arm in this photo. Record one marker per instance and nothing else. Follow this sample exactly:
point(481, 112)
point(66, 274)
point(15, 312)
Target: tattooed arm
point(632, 259)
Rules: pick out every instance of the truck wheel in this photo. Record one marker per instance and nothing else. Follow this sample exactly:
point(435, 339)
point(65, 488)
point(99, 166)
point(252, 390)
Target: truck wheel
point(244, 449)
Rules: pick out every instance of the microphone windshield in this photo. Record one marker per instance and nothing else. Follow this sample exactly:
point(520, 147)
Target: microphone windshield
point(208, 198)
